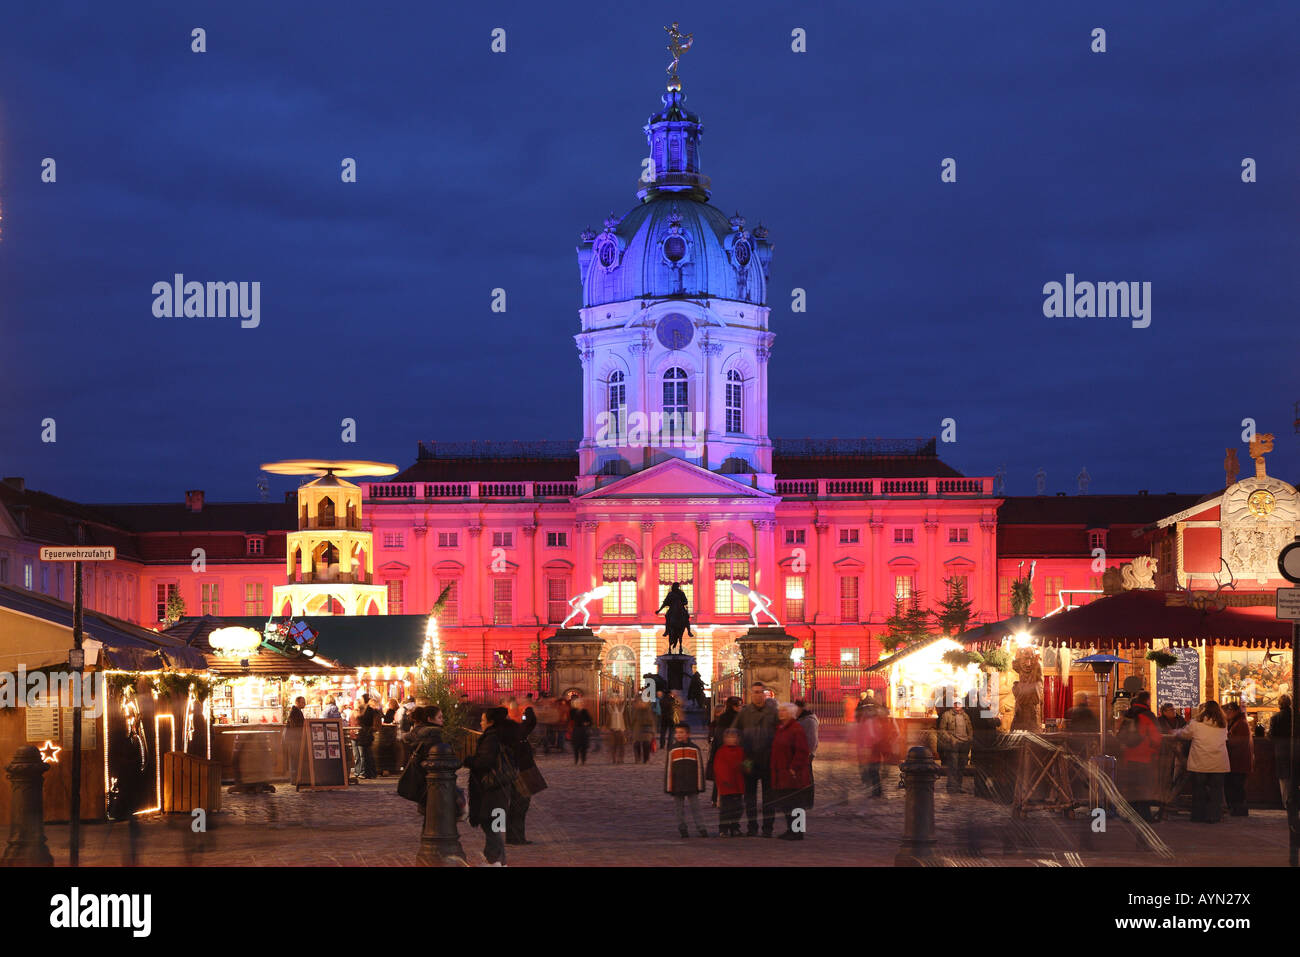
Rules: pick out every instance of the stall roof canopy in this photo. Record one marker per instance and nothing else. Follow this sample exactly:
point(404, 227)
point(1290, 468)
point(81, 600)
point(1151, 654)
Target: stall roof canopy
point(126, 646)
point(911, 649)
point(354, 641)
point(1134, 619)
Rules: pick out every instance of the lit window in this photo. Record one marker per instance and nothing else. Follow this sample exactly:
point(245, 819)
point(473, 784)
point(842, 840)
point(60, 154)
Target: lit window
point(210, 598)
point(735, 402)
point(676, 564)
point(448, 539)
point(394, 540)
point(958, 535)
point(162, 593)
point(503, 592)
point(618, 571)
point(676, 405)
point(1004, 596)
point(849, 658)
point(902, 536)
point(848, 536)
point(394, 596)
point(1097, 538)
point(730, 565)
point(848, 598)
point(617, 405)
point(794, 598)
point(958, 585)
point(253, 599)
point(904, 587)
point(503, 539)
point(557, 600)
point(450, 614)
point(794, 536)
point(557, 540)
point(27, 575)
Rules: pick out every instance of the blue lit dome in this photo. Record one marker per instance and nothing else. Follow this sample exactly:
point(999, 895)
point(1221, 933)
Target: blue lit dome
point(674, 244)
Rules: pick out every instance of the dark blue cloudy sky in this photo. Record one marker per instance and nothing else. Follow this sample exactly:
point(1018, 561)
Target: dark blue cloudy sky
point(479, 171)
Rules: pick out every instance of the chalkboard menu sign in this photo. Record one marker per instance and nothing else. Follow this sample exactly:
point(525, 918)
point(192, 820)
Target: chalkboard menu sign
point(1180, 684)
point(322, 763)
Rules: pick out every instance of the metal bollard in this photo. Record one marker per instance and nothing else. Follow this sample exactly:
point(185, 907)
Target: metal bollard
point(27, 811)
point(440, 839)
point(919, 774)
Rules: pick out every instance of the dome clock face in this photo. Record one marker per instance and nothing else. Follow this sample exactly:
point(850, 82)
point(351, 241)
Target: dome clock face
point(675, 331)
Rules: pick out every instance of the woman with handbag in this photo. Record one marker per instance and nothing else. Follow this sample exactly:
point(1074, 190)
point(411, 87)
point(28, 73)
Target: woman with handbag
point(424, 736)
point(492, 776)
point(528, 782)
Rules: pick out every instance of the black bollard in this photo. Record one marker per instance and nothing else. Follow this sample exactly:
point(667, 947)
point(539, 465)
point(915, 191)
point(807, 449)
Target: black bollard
point(919, 774)
point(27, 811)
point(440, 839)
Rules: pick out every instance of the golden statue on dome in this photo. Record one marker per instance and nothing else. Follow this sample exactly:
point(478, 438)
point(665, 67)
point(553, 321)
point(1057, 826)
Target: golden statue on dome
point(676, 47)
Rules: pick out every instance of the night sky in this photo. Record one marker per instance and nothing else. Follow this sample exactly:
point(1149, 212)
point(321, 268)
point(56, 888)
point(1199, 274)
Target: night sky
point(479, 170)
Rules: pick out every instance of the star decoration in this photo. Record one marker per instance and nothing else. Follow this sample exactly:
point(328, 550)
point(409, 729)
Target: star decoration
point(50, 752)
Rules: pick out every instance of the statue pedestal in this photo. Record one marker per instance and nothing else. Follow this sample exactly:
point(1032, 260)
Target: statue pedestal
point(676, 670)
point(573, 658)
point(765, 657)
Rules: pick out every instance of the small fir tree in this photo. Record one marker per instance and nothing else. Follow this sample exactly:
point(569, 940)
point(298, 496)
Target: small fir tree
point(954, 612)
point(909, 623)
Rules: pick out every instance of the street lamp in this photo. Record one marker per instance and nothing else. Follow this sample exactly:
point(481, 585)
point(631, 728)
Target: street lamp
point(1102, 665)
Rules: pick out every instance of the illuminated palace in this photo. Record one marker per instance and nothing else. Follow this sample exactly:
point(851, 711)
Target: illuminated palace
point(674, 479)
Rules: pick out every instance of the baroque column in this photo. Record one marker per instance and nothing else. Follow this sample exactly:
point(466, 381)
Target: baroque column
point(649, 600)
point(528, 578)
point(704, 590)
point(474, 576)
point(822, 615)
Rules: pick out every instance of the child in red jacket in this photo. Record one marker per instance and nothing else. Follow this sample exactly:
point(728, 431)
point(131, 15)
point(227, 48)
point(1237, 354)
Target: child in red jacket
point(730, 778)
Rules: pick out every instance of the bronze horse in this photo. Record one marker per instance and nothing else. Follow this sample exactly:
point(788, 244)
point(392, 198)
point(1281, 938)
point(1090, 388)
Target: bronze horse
point(678, 620)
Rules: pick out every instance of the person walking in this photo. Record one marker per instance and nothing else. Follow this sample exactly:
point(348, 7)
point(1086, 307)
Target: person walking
point(562, 710)
point(1139, 769)
point(1173, 759)
point(955, 736)
point(492, 775)
point(719, 729)
point(293, 731)
point(367, 719)
point(1241, 759)
point(529, 780)
point(424, 735)
point(756, 723)
point(877, 741)
point(667, 717)
point(811, 725)
point(580, 720)
point(684, 778)
point(729, 780)
point(791, 769)
point(643, 731)
point(617, 730)
point(1279, 733)
point(1207, 761)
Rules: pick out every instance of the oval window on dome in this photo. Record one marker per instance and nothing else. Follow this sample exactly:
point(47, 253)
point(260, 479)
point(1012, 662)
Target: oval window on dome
point(674, 248)
point(741, 251)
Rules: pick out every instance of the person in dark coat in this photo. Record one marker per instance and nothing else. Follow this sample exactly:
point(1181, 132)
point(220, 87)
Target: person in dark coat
point(368, 720)
point(756, 723)
point(719, 728)
point(425, 735)
point(684, 778)
point(1241, 758)
point(490, 782)
point(1139, 769)
point(791, 769)
point(580, 719)
point(1173, 758)
point(667, 716)
point(695, 691)
point(1279, 733)
point(514, 734)
point(293, 731)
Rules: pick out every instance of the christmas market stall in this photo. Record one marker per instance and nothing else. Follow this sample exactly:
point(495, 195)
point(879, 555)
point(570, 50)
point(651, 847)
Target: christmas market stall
point(144, 703)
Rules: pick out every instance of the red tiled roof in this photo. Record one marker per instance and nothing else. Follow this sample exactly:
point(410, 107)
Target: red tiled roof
point(1086, 511)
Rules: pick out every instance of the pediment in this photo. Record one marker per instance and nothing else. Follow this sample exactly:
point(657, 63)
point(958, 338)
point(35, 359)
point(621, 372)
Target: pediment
point(675, 479)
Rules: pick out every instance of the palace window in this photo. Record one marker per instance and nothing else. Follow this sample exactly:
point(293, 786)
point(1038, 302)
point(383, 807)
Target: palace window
point(1004, 596)
point(849, 536)
point(1052, 594)
point(557, 600)
point(618, 571)
point(676, 564)
point(735, 402)
point(210, 598)
point(448, 539)
point(162, 593)
point(503, 601)
point(848, 598)
point(45, 579)
point(730, 565)
point(617, 406)
point(89, 581)
point(450, 614)
point(849, 658)
point(394, 596)
point(253, 599)
point(27, 575)
point(958, 584)
point(503, 539)
point(958, 536)
point(255, 545)
point(903, 536)
point(394, 540)
point(676, 404)
point(557, 540)
point(795, 536)
point(904, 587)
point(794, 598)
point(1096, 538)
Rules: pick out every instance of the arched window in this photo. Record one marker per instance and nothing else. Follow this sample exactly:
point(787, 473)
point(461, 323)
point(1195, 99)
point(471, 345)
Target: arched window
point(730, 565)
point(623, 663)
point(677, 565)
point(735, 402)
point(617, 405)
point(618, 570)
point(325, 513)
point(676, 396)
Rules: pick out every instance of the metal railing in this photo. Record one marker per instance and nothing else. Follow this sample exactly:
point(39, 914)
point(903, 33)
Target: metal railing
point(868, 488)
point(526, 491)
point(832, 692)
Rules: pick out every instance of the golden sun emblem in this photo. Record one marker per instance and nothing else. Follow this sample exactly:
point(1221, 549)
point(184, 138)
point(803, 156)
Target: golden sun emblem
point(1261, 502)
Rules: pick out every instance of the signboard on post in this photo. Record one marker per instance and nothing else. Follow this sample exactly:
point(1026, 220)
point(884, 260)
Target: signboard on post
point(1288, 604)
point(322, 762)
point(102, 553)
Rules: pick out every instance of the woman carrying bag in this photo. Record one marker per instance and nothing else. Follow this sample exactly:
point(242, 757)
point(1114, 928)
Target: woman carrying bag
point(492, 776)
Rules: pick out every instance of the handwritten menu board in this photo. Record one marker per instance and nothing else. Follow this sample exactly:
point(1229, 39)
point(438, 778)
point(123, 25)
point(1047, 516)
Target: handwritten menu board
point(1180, 684)
point(322, 762)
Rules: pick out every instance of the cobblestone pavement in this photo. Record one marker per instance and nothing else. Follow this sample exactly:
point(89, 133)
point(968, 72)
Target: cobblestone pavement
point(617, 815)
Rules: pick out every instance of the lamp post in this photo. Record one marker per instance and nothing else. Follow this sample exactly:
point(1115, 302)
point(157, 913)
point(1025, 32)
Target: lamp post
point(1102, 665)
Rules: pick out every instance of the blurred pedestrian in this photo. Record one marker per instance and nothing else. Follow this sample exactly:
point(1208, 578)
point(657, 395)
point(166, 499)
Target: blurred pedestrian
point(617, 730)
point(1279, 733)
point(956, 733)
point(580, 721)
point(1241, 759)
point(791, 771)
point(293, 732)
point(756, 723)
point(643, 731)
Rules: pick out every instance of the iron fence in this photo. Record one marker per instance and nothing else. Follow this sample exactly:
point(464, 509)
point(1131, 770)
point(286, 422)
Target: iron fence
point(833, 692)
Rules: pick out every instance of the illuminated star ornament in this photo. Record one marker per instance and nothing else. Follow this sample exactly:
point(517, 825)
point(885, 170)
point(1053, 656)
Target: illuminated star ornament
point(50, 752)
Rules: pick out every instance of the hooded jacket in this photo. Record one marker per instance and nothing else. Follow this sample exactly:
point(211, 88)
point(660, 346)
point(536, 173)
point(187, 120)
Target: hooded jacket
point(791, 759)
point(683, 768)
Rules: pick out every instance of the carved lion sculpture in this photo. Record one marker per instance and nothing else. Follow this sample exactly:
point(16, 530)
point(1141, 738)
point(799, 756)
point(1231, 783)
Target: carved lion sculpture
point(1139, 573)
